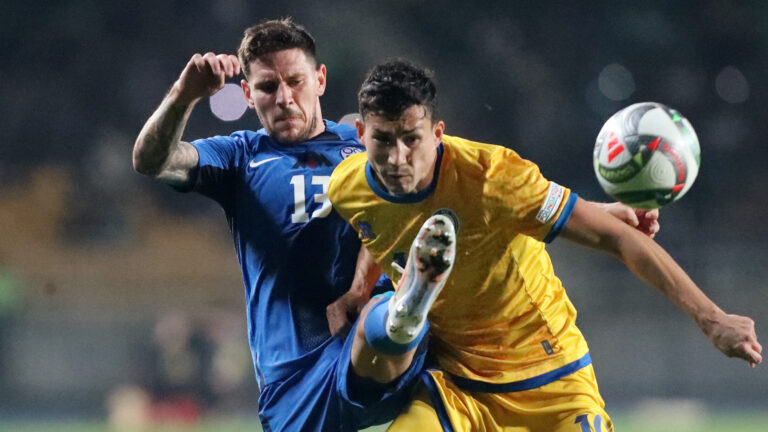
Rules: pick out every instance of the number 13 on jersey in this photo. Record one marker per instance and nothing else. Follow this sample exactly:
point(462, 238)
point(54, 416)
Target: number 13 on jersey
point(299, 198)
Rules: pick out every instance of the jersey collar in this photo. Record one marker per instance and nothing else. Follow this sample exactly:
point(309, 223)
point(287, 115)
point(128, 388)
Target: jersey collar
point(409, 198)
point(325, 135)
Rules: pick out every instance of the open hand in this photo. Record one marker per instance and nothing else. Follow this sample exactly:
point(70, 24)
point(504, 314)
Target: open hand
point(735, 336)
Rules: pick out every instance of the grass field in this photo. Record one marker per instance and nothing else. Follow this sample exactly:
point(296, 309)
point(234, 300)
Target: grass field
point(709, 422)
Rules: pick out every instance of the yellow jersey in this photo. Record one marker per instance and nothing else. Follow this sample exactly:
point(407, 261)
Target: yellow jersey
point(503, 316)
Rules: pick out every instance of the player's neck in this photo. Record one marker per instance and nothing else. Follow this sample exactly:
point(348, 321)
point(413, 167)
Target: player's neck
point(318, 128)
point(318, 125)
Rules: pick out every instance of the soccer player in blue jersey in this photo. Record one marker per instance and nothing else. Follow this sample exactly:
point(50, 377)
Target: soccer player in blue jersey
point(297, 255)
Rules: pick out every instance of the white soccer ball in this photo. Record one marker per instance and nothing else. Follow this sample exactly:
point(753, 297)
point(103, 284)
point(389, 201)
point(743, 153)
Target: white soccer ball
point(647, 155)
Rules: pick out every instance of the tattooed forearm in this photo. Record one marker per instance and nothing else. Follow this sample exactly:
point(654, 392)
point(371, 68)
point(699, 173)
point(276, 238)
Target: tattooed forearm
point(159, 151)
point(167, 130)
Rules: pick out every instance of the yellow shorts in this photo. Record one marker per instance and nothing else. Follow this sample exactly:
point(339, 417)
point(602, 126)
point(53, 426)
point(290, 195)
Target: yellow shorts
point(572, 403)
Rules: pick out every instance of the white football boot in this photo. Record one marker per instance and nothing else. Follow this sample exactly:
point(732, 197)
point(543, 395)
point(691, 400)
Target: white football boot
point(430, 261)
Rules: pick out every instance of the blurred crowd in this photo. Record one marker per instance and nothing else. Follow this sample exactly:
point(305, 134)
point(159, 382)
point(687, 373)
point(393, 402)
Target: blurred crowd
point(188, 369)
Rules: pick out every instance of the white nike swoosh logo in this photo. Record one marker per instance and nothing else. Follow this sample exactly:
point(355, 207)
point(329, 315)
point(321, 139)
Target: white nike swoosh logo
point(254, 164)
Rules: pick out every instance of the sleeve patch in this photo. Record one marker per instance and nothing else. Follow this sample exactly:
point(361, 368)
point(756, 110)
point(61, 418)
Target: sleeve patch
point(551, 203)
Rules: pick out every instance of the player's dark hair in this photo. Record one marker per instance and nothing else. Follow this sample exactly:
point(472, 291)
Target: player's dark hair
point(392, 87)
point(271, 36)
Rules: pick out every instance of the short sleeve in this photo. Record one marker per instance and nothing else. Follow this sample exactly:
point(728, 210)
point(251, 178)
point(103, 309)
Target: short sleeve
point(522, 200)
point(220, 158)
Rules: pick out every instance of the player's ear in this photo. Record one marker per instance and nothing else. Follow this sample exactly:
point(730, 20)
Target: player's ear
point(247, 93)
point(360, 126)
point(438, 130)
point(321, 79)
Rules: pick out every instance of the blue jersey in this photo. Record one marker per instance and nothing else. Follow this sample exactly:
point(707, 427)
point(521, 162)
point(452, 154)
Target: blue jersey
point(296, 254)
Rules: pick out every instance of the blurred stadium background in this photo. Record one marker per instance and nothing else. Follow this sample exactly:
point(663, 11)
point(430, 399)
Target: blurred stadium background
point(121, 302)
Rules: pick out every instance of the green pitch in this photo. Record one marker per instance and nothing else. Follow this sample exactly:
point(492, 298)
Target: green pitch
point(728, 421)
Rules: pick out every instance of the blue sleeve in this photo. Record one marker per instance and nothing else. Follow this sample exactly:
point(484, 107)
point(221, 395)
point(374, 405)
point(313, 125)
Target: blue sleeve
point(220, 160)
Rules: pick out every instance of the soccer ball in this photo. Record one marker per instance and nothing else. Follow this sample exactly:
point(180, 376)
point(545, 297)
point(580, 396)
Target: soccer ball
point(647, 155)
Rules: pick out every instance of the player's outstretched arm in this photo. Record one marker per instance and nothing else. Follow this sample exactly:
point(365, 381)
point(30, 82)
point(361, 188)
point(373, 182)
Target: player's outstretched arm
point(734, 335)
point(159, 151)
point(345, 310)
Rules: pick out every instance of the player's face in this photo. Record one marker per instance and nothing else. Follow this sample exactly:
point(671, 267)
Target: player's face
point(285, 88)
point(402, 152)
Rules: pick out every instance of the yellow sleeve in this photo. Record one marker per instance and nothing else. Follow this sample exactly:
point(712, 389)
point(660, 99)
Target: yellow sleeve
point(522, 200)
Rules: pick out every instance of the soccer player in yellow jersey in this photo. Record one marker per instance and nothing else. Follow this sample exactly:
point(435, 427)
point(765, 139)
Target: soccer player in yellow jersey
point(509, 354)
